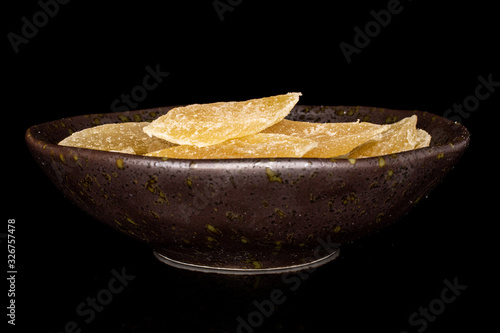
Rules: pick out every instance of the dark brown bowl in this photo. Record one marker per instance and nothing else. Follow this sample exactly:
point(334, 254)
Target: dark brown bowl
point(245, 216)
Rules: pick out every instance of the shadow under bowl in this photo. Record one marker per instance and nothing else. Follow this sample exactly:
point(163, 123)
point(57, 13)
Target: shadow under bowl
point(247, 216)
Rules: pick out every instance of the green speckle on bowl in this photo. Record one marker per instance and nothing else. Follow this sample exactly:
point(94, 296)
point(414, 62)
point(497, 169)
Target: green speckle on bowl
point(273, 176)
point(381, 162)
point(124, 119)
point(279, 212)
point(213, 230)
point(154, 214)
point(119, 163)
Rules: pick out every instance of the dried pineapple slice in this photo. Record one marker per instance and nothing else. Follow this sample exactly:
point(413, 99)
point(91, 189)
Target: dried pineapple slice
point(398, 137)
point(208, 124)
point(124, 137)
point(334, 139)
point(251, 146)
point(423, 139)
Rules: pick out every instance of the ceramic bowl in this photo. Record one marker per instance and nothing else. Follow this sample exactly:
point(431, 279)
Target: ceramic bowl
point(247, 216)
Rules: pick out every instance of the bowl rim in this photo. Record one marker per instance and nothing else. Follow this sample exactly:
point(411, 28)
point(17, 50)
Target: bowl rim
point(32, 140)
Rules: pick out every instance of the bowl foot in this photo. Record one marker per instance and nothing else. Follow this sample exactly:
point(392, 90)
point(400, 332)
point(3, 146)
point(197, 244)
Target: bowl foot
point(242, 271)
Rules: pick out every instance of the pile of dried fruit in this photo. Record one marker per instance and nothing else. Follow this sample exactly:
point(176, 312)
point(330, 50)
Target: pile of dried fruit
point(250, 129)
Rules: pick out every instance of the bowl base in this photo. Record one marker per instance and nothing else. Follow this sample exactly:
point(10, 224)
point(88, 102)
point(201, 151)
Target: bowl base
point(246, 271)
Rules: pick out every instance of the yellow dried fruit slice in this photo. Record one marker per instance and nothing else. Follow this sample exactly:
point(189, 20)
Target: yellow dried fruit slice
point(252, 146)
point(124, 137)
point(208, 124)
point(127, 150)
point(423, 139)
point(399, 137)
point(159, 144)
point(334, 139)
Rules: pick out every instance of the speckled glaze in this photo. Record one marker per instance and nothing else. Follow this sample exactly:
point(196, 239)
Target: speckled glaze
point(250, 213)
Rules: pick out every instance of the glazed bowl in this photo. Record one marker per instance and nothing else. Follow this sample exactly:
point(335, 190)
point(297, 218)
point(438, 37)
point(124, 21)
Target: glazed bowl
point(247, 216)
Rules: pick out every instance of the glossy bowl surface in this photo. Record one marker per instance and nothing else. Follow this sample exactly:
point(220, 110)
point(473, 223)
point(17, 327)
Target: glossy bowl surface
point(247, 215)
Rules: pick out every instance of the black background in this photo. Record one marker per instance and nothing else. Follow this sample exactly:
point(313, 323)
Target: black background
point(428, 57)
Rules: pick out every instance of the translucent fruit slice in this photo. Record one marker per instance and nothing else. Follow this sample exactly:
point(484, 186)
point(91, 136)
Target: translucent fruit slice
point(252, 146)
point(423, 139)
point(399, 137)
point(334, 139)
point(124, 137)
point(208, 124)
